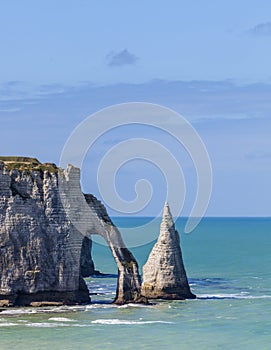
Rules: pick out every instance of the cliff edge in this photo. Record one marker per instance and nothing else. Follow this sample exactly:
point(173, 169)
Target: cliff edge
point(44, 217)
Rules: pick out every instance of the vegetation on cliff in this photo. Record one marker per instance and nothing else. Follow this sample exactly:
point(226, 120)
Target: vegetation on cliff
point(27, 164)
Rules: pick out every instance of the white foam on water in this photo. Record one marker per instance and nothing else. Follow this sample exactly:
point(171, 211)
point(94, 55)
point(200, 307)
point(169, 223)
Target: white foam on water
point(134, 305)
point(65, 308)
point(61, 319)
point(232, 296)
point(8, 324)
point(257, 297)
point(46, 324)
point(18, 311)
point(54, 309)
point(126, 322)
point(100, 306)
point(54, 324)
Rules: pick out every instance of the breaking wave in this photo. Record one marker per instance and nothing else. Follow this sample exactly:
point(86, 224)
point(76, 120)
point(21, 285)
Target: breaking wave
point(127, 322)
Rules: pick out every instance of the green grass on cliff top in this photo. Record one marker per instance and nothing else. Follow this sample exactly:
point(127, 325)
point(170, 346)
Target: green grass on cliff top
point(27, 164)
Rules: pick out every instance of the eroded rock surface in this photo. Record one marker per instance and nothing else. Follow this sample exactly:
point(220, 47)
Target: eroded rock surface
point(164, 275)
point(44, 218)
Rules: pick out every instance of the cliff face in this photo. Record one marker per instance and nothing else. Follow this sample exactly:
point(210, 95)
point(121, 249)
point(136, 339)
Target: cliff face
point(44, 218)
point(164, 274)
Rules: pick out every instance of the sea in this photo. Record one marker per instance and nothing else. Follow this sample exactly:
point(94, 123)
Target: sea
point(228, 263)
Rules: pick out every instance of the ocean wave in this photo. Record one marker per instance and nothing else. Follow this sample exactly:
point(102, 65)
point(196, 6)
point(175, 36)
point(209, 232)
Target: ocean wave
point(102, 290)
point(105, 275)
point(110, 305)
point(8, 324)
point(66, 308)
point(46, 325)
point(231, 296)
point(52, 309)
point(58, 322)
point(208, 281)
point(126, 322)
point(125, 306)
point(18, 311)
point(61, 319)
point(100, 305)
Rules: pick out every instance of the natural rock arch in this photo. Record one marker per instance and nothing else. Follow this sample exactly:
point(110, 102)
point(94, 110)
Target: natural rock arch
point(90, 217)
point(44, 216)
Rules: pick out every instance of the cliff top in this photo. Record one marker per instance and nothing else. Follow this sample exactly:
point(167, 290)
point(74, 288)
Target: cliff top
point(27, 164)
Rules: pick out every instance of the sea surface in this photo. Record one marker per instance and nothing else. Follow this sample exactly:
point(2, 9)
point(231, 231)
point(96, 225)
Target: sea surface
point(228, 262)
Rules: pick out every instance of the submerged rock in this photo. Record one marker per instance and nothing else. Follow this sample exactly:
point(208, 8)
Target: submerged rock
point(164, 275)
point(44, 217)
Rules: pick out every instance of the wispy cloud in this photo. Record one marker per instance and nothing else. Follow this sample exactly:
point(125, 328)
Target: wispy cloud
point(121, 58)
point(10, 110)
point(48, 89)
point(196, 100)
point(23, 91)
point(261, 29)
point(258, 155)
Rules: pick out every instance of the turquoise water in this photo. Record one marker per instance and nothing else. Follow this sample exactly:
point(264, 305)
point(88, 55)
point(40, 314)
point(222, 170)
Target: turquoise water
point(228, 263)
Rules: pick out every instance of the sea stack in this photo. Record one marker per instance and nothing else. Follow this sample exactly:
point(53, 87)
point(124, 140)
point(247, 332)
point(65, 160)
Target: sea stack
point(164, 275)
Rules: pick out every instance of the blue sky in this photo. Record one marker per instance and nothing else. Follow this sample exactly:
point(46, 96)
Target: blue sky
point(209, 61)
point(72, 41)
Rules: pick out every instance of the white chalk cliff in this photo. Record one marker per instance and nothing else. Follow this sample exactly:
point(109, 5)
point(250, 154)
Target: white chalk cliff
point(44, 217)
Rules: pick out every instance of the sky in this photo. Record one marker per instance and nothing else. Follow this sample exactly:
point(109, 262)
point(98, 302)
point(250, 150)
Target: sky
point(208, 60)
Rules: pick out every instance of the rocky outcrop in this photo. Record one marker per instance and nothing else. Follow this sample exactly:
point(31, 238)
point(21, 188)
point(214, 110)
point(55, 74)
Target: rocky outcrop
point(44, 218)
point(86, 263)
point(164, 274)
